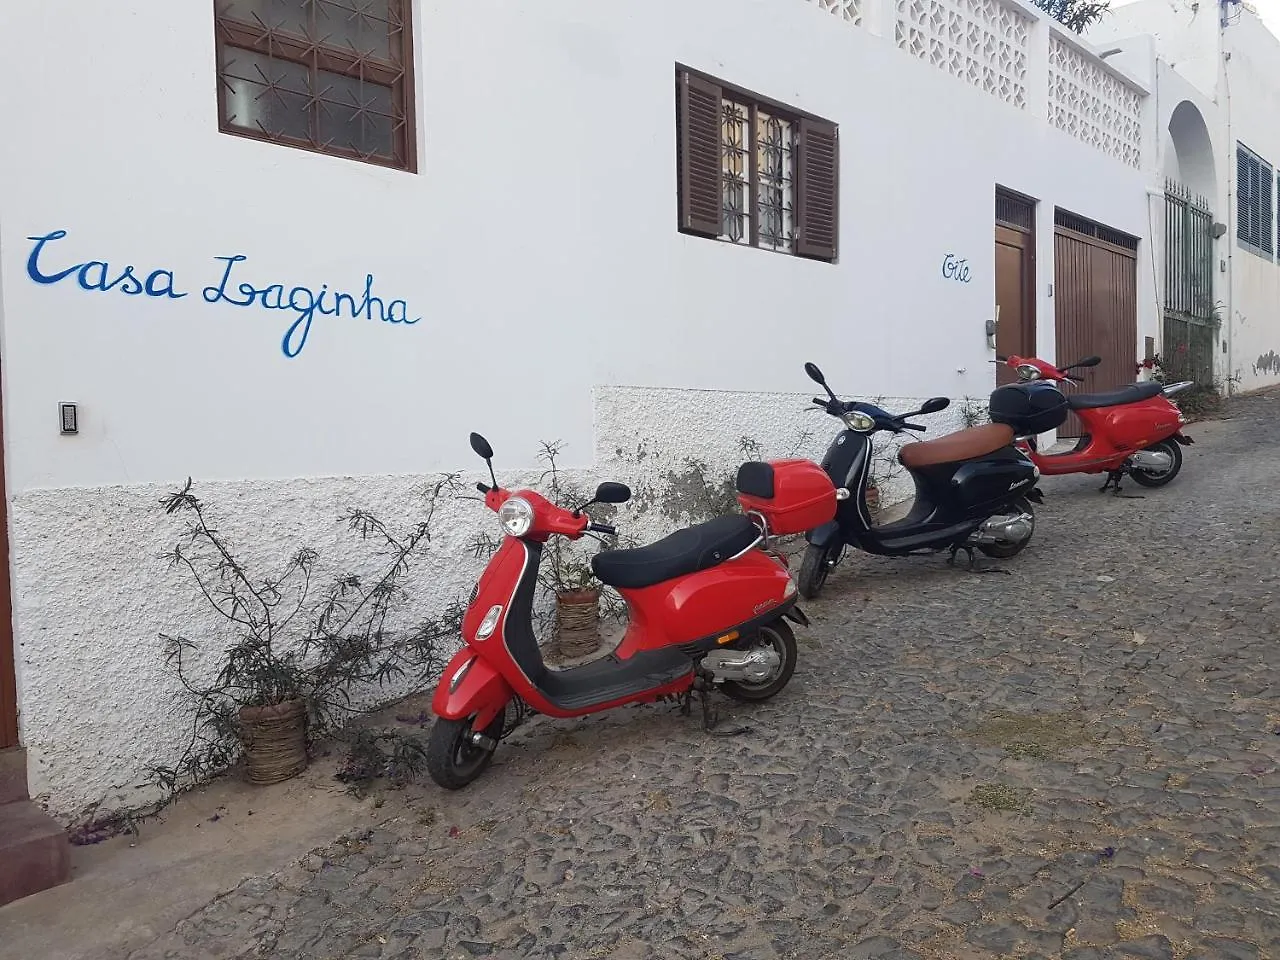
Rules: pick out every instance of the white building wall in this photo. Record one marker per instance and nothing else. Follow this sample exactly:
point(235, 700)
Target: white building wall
point(536, 253)
point(1251, 99)
point(1229, 74)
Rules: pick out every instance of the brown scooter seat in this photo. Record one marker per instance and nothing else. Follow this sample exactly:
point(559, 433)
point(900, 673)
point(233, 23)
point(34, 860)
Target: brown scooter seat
point(954, 447)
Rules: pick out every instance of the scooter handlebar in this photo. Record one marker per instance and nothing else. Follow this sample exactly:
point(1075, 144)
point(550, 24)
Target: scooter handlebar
point(603, 528)
point(914, 426)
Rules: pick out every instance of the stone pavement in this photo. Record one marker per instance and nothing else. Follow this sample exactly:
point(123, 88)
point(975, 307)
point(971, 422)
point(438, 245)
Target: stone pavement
point(1076, 760)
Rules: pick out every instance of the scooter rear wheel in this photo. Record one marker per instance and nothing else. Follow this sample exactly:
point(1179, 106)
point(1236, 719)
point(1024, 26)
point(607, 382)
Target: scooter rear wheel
point(452, 759)
point(777, 634)
point(1007, 551)
point(1147, 478)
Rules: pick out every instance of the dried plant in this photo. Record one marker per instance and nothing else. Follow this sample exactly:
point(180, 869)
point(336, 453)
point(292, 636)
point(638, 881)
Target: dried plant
point(289, 644)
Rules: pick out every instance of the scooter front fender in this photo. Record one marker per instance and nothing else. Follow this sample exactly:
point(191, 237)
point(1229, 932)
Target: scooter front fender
point(468, 687)
point(827, 535)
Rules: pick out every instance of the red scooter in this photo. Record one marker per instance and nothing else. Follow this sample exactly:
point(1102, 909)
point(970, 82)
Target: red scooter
point(707, 607)
point(1133, 430)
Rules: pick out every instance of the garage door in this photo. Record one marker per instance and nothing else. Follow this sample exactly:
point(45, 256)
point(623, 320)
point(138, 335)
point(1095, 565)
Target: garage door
point(1096, 303)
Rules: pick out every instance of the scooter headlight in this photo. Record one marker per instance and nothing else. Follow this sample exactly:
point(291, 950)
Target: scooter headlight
point(1027, 372)
point(516, 516)
point(857, 420)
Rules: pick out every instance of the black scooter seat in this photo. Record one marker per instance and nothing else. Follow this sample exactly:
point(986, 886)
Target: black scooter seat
point(686, 551)
point(1130, 393)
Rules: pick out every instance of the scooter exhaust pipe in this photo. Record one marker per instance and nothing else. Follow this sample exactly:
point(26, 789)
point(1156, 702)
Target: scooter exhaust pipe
point(1004, 529)
point(1151, 460)
point(750, 666)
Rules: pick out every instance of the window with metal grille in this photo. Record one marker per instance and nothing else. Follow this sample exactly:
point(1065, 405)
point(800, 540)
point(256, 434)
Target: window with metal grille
point(755, 172)
point(1090, 228)
point(1015, 211)
point(331, 76)
point(1254, 208)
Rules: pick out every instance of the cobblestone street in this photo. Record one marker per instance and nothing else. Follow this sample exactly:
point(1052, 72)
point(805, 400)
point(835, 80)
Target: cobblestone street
point(1077, 760)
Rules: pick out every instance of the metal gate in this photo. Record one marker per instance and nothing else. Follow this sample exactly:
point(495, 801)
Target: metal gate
point(1190, 320)
point(1096, 303)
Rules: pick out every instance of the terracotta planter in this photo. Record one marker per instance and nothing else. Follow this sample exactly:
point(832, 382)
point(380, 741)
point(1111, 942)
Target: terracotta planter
point(275, 741)
point(577, 622)
point(873, 497)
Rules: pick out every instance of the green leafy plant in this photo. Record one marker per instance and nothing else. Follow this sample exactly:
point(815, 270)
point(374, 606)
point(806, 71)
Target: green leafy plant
point(973, 413)
point(286, 643)
point(1076, 15)
point(1198, 401)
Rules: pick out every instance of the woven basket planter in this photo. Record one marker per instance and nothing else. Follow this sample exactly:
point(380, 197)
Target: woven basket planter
point(275, 741)
point(577, 622)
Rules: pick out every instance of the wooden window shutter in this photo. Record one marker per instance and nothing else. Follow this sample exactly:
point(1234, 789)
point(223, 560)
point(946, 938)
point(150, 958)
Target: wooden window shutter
point(818, 190)
point(1242, 194)
point(1265, 227)
point(698, 146)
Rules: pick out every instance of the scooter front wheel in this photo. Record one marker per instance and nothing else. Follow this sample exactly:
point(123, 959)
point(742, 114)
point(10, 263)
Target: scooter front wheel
point(777, 635)
point(814, 569)
point(454, 759)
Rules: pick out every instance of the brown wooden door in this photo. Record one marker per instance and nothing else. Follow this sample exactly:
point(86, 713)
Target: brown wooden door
point(8, 681)
point(1096, 305)
point(1015, 296)
point(1015, 279)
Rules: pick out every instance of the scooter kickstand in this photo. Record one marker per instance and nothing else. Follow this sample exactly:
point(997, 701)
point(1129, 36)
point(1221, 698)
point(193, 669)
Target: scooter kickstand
point(710, 717)
point(973, 561)
point(1113, 483)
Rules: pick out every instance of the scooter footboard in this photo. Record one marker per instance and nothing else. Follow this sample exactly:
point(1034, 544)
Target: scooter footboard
point(469, 686)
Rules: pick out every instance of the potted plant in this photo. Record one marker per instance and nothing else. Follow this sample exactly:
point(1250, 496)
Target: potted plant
point(566, 570)
point(288, 668)
point(577, 598)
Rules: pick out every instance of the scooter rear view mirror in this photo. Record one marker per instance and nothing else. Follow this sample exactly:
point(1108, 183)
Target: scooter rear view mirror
point(935, 404)
point(610, 492)
point(481, 446)
point(815, 374)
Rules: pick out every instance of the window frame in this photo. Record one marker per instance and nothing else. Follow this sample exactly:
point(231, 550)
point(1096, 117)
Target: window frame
point(258, 39)
point(799, 121)
point(1245, 195)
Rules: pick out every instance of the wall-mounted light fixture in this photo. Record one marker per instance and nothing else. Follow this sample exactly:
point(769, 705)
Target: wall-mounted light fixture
point(70, 419)
point(1217, 230)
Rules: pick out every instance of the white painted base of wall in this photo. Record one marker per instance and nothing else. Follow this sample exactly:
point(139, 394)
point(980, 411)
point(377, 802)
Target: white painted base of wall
point(98, 704)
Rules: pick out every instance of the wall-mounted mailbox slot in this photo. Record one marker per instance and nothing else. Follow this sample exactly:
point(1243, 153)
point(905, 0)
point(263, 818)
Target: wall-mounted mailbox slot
point(70, 418)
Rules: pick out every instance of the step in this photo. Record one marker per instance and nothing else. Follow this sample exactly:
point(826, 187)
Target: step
point(34, 851)
point(13, 775)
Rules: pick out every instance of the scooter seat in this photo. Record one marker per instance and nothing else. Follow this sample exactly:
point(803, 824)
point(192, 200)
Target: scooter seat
point(685, 551)
point(955, 447)
point(1129, 393)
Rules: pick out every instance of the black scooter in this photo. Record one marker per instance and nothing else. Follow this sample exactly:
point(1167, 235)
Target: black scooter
point(973, 489)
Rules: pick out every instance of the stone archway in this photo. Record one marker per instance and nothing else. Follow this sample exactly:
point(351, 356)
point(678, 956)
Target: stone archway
point(1189, 150)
